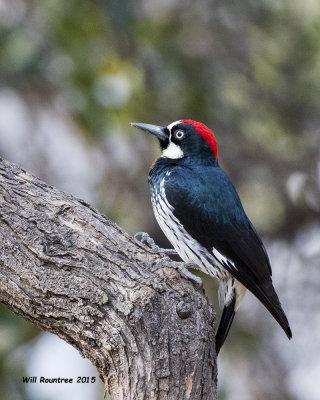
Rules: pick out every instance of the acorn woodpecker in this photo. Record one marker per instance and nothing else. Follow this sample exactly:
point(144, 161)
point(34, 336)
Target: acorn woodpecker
point(200, 212)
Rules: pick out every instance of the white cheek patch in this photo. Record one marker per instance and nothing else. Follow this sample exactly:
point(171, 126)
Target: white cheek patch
point(172, 151)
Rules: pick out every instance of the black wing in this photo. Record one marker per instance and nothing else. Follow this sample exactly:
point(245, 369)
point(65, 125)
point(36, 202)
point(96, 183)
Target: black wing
point(208, 206)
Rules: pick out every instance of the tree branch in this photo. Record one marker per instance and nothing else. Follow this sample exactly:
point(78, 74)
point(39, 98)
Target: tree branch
point(71, 271)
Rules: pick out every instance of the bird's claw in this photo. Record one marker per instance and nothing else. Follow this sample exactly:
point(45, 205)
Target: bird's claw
point(145, 238)
point(182, 267)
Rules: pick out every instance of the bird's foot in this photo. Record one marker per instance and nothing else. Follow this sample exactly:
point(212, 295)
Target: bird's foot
point(182, 267)
point(145, 238)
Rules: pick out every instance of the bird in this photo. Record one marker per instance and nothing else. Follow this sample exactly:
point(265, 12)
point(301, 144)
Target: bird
point(200, 212)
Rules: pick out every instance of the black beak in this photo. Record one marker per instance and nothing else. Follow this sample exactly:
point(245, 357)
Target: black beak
point(158, 131)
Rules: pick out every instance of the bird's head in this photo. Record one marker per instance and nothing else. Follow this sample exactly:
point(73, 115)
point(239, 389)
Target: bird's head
point(183, 138)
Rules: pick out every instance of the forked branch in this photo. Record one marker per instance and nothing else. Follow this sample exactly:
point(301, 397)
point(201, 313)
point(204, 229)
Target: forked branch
point(71, 271)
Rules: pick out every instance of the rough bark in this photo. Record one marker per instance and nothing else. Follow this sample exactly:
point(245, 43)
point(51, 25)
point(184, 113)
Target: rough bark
point(71, 271)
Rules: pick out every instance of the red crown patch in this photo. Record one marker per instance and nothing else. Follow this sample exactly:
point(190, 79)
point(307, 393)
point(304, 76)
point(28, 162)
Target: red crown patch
point(205, 133)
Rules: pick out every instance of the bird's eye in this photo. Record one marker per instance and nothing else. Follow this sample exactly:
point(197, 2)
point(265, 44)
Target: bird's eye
point(179, 134)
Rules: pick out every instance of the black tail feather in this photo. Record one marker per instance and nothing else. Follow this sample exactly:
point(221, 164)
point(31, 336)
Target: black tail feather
point(266, 293)
point(270, 300)
point(225, 324)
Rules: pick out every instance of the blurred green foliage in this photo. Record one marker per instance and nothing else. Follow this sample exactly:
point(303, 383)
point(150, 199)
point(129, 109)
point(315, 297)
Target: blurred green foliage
point(249, 70)
point(14, 332)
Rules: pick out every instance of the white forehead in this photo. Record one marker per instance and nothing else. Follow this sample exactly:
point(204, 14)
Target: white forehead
point(173, 124)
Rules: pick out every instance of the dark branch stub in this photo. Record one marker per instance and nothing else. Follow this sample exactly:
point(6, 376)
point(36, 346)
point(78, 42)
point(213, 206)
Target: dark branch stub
point(71, 271)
